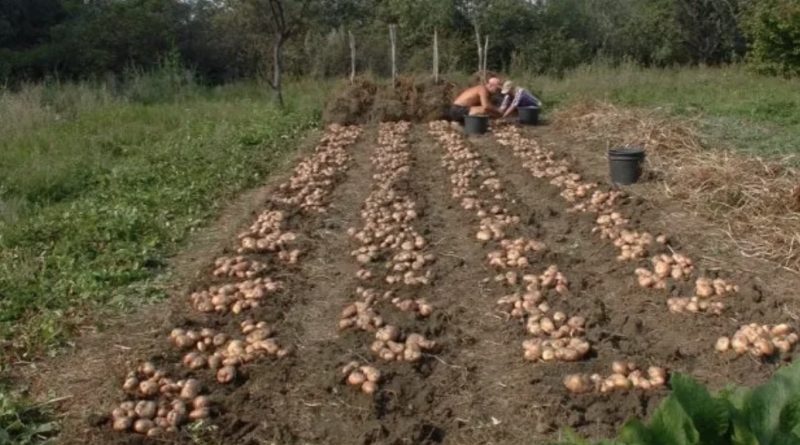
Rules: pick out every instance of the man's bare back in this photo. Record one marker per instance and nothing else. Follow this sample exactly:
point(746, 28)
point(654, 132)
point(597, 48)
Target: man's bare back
point(475, 101)
point(476, 96)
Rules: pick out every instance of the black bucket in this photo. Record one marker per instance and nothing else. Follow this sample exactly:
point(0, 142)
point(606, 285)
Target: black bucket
point(528, 115)
point(476, 124)
point(625, 164)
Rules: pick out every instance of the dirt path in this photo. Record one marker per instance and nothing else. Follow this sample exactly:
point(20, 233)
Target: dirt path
point(474, 387)
point(296, 400)
point(479, 350)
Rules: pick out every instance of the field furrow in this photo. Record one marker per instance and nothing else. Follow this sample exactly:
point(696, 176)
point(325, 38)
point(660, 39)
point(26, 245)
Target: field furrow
point(419, 286)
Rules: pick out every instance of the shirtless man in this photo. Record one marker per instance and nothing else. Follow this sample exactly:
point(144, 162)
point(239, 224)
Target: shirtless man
point(475, 101)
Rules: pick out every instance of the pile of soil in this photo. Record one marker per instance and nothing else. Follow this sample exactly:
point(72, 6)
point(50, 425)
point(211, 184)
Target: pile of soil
point(410, 98)
point(352, 104)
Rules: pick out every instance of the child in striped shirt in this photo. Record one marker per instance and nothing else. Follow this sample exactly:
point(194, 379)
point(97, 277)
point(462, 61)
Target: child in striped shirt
point(516, 97)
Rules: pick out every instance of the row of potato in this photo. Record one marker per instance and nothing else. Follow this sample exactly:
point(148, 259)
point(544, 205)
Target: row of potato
point(156, 403)
point(624, 376)
point(393, 259)
point(709, 294)
point(555, 336)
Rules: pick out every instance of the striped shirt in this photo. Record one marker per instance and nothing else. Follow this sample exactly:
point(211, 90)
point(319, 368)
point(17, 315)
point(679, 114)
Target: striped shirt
point(522, 98)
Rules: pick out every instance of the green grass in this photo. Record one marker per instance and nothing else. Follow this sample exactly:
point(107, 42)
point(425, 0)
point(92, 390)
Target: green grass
point(24, 423)
point(97, 190)
point(734, 107)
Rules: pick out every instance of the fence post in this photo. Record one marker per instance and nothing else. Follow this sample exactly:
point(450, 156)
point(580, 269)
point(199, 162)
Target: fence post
point(480, 52)
point(435, 57)
point(352, 57)
point(393, 40)
point(485, 57)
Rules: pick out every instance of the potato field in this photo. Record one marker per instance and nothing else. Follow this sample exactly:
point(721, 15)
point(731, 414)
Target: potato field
point(406, 284)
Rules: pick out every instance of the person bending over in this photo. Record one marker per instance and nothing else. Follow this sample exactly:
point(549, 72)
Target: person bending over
point(515, 97)
point(476, 101)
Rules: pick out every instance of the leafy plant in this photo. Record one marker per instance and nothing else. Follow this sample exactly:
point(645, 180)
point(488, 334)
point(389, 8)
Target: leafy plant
point(22, 423)
point(765, 415)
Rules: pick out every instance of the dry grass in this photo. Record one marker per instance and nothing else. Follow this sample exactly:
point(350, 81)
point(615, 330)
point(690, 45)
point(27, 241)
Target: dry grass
point(755, 201)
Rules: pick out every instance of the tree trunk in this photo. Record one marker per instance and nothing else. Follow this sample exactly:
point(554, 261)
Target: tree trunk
point(277, 69)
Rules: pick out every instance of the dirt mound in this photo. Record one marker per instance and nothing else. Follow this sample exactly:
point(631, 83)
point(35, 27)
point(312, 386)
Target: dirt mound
point(410, 98)
point(352, 104)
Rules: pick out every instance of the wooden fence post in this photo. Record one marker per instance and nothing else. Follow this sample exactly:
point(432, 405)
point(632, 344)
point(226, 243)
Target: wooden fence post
point(485, 57)
point(435, 57)
point(352, 57)
point(480, 52)
point(393, 40)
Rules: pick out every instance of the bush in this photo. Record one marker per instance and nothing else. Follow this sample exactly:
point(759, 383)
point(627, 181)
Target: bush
point(168, 82)
point(773, 28)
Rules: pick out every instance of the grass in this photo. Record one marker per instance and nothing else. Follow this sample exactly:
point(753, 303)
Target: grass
point(733, 106)
point(100, 184)
point(98, 189)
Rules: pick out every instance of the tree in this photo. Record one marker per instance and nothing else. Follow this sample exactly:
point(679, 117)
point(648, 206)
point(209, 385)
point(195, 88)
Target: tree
point(26, 23)
point(281, 20)
point(644, 32)
point(773, 28)
point(708, 29)
point(477, 11)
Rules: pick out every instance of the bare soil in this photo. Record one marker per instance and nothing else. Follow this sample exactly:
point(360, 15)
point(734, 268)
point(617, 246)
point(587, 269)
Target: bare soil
point(476, 389)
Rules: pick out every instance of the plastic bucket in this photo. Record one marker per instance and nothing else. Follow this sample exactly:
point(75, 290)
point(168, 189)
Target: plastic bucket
point(476, 124)
point(625, 164)
point(528, 115)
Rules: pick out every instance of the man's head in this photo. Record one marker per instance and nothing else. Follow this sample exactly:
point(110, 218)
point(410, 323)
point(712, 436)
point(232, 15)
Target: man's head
point(493, 85)
point(508, 87)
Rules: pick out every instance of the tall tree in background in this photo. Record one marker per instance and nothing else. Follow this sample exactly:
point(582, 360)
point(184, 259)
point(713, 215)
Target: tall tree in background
point(773, 28)
point(280, 20)
point(223, 40)
point(477, 11)
point(708, 29)
point(24, 36)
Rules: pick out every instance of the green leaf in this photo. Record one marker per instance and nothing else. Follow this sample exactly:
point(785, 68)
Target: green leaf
point(635, 433)
point(742, 435)
point(671, 425)
point(710, 416)
point(790, 417)
point(769, 414)
point(44, 428)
